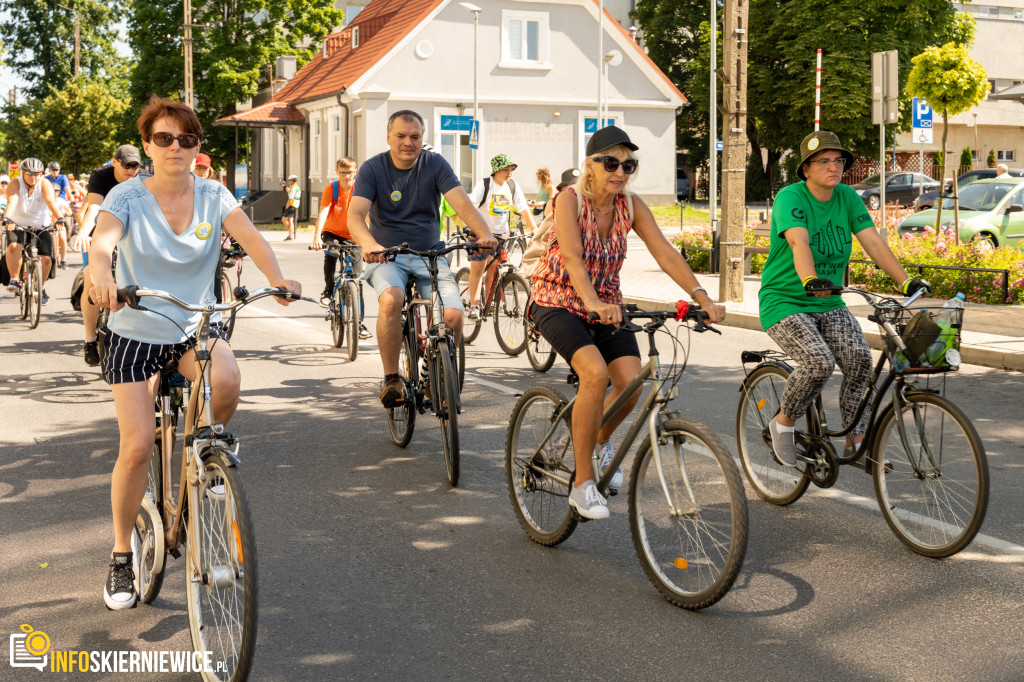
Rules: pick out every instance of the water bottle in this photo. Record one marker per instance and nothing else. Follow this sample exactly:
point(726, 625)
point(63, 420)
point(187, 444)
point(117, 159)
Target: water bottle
point(947, 316)
point(899, 362)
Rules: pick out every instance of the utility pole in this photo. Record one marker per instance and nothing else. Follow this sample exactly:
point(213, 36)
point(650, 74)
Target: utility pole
point(186, 46)
point(734, 150)
point(78, 36)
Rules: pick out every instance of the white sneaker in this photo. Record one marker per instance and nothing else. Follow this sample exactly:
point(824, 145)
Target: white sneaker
point(607, 453)
point(14, 286)
point(784, 444)
point(588, 502)
point(474, 312)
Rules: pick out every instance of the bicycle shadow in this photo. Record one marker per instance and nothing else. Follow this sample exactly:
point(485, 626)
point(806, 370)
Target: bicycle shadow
point(57, 387)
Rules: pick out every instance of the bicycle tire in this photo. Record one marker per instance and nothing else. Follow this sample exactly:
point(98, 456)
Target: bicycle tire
point(514, 253)
point(470, 328)
point(35, 298)
point(351, 319)
point(540, 501)
point(148, 550)
point(337, 324)
point(23, 297)
point(446, 406)
point(223, 596)
point(937, 507)
point(462, 365)
point(693, 550)
point(760, 399)
point(539, 352)
point(402, 419)
point(510, 313)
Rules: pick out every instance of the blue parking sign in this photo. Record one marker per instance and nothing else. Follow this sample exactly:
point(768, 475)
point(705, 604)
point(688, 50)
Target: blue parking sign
point(922, 113)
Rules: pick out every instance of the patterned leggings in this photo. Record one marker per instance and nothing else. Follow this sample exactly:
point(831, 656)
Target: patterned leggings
point(818, 342)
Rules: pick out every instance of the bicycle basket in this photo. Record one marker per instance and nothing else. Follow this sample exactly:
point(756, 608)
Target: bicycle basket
point(929, 333)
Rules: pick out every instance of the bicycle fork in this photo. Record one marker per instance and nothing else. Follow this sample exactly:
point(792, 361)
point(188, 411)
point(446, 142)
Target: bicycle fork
point(658, 438)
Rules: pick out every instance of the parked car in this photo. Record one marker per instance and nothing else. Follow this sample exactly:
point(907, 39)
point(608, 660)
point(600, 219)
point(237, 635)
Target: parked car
point(901, 188)
point(927, 200)
point(991, 211)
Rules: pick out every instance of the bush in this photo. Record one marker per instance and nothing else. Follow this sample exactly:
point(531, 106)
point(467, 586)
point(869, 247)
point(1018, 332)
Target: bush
point(697, 244)
point(990, 160)
point(966, 158)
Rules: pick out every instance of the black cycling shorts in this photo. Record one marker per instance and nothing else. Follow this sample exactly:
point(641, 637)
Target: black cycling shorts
point(44, 244)
point(568, 332)
point(289, 212)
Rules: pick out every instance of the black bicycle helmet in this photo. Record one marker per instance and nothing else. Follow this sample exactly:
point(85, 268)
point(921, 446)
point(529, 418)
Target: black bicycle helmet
point(53, 165)
point(32, 165)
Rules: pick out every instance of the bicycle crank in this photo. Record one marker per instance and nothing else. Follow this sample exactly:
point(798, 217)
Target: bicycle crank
point(823, 466)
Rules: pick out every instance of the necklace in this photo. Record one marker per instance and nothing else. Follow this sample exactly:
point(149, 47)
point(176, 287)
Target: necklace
point(174, 206)
point(605, 211)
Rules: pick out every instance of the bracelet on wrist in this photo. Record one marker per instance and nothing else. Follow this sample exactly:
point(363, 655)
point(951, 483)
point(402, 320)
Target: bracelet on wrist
point(693, 294)
point(805, 280)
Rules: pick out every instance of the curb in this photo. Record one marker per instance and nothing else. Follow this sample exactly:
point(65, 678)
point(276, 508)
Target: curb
point(971, 354)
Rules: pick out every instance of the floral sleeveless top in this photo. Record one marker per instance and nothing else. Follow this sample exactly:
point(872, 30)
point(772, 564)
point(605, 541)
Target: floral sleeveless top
point(552, 287)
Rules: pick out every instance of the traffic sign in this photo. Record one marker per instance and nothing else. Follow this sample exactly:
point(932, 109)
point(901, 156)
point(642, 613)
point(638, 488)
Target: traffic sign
point(923, 121)
point(474, 134)
point(718, 145)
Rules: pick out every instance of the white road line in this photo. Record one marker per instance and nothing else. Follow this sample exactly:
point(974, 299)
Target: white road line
point(268, 313)
point(492, 384)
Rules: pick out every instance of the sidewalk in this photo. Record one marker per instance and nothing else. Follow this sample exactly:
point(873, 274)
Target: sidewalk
point(993, 336)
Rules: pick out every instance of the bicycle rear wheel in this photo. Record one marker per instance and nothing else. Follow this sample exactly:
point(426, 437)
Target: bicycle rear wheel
point(470, 328)
point(337, 324)
point(223, 594)
point(510, 312)
point(351, 319)
point(691, 548)
point(933, 493)
point(148, 550)
point(514, 253)
point(446, 406)
point(23, 298)
point(402, 419)
point(34, 289)
point(760, 399)
point(538, 350)
point(538, 472)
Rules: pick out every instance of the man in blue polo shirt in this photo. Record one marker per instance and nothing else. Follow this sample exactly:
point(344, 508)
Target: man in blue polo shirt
point(400, 190)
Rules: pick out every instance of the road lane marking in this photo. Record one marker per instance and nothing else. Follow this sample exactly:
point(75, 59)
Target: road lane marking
point(269, 313)
point(492, 384)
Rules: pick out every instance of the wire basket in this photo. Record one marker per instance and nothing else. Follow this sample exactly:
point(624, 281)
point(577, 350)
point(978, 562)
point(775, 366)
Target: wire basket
point(930, 334)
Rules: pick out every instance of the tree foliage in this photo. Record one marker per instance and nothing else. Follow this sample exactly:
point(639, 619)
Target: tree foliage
point(784, 36)
point(39, 40)
point(76, 126)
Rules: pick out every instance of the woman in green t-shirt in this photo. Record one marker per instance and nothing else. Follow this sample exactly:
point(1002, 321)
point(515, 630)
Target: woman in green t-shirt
point(813, 224)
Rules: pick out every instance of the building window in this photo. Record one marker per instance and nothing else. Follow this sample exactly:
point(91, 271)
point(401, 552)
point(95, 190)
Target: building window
point(1018, 14)
point(524, 39)
point(987, 12)
point(355, 37)
point(1005, 155)
point(314, 162)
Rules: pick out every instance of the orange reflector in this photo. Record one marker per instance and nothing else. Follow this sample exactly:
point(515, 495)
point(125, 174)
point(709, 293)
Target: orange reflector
point(760, 404)
point(681, 563)
point(238, 542)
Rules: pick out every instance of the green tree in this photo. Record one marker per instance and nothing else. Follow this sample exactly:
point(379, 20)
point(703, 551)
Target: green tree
point(39, 40)
point(45, 128)
point(966, 157)
point(784, 36)
point(990, 160)
point(952, 83)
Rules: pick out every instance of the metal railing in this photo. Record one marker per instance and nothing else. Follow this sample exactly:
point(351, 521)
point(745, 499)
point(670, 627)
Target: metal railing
point(922, 267)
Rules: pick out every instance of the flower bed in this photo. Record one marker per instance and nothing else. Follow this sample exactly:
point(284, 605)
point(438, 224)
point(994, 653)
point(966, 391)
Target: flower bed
point(930, 248)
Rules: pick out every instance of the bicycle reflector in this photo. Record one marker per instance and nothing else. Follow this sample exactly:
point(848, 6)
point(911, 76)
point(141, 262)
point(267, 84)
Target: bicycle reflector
point(682, 307)
point(681, 563)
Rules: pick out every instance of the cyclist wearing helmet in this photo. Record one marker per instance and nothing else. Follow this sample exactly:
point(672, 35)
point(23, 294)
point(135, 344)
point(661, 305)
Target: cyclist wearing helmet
point(30, 203)
point(59, 181)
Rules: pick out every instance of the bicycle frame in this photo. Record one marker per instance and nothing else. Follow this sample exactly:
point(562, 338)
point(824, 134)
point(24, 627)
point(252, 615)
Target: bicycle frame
point(346, 273)
point(435, 332)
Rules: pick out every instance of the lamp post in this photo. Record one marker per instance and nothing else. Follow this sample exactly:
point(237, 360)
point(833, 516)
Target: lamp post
point(977, 152)
point(78, 35)
point(469, 7)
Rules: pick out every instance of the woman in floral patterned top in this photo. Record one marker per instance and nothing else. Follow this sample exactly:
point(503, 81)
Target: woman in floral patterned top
point(579, 275)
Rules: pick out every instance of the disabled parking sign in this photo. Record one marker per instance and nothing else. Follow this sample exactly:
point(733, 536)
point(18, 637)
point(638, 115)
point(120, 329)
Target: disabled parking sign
point(922, 116)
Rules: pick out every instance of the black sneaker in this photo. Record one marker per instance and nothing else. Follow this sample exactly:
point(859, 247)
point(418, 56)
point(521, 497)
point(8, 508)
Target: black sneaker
point(46, 298)
point(92, 354)
point(364, 333)
point(14, 286)
point(326, 294)
point(119, 590)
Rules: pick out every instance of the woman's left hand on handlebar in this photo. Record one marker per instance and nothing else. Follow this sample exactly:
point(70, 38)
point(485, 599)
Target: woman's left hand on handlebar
point(289, 284)
point(607, 313)
point(715, 311)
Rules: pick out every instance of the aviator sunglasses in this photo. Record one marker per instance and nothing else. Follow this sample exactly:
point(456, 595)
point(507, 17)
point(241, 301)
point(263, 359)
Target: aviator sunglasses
point(185, 140)
point(611, 164)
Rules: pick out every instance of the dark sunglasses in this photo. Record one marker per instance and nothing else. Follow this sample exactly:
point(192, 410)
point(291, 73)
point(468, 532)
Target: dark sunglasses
point(185, 140)
point(611, 164)
point(134, 166)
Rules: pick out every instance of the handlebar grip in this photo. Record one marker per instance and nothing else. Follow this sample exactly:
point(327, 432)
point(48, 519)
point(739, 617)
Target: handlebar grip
point(128, 295)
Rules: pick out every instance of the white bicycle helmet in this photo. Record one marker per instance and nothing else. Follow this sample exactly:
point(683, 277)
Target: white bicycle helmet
point(32, 165)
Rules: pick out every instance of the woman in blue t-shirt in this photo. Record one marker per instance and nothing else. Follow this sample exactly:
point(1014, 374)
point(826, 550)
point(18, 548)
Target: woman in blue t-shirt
point(167, 230)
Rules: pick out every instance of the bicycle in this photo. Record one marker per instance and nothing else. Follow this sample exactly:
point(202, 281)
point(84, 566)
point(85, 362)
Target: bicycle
point(925, 458)
point(231, 256)
point(345, 311)
point(687, 509)
point(430, 364)
point(208, 514)
point(506, 299)
point(538, 350)
point(30, 293)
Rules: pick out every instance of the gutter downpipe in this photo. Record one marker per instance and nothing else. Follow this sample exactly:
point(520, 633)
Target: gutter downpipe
point(308, 183)
point(348, 117)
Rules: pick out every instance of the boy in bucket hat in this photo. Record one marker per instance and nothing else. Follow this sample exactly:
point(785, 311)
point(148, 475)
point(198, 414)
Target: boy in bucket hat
point(501, 196)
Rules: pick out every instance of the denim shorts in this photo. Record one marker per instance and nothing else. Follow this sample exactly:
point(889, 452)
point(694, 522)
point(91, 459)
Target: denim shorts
point(128, 360)
point(383, 276)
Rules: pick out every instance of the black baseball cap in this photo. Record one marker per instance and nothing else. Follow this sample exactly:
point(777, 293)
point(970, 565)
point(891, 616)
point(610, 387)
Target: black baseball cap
point(128, 153)
point(608, 137)
point(569, 177)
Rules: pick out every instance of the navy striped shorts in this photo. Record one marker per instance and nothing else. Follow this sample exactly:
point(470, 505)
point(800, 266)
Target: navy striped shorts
point(128, 360)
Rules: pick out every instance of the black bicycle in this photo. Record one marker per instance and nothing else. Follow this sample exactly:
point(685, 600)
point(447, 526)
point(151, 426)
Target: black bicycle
point(231, 257)
point(431, 364)
point(345, 310)
point(30, 291)
point(923, 453)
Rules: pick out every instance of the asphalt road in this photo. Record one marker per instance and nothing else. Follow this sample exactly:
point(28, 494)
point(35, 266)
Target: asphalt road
point(372, 567)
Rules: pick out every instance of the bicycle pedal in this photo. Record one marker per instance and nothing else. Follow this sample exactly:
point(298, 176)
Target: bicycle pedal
point(612, 492)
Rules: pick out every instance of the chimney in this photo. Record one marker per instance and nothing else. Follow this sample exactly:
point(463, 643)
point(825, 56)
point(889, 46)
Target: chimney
point(286, 67)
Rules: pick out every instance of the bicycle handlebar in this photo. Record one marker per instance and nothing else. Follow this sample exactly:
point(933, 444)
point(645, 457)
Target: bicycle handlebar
point(684, 312)
point(131, 294)
point(392, 251)
point(37, 230)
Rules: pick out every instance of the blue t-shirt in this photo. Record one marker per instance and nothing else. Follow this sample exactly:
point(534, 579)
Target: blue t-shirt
point(151, 256)
point(60, 184)
point(405, 202)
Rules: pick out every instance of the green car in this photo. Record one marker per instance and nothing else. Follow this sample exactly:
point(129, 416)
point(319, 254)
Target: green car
point(991, 211)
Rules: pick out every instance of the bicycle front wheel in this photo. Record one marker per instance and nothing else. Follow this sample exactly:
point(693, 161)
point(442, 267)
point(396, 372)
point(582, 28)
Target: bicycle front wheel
point(23, 293)
point(337, 324)
point(688, 521)
point(539, 471)
point(148, 550)
point(35, 294)
point(402, 419)
point(760, 400)
point(510, 312)
point(446, 406)
point(223, 593)
point(470, 328)
point(514, 253)
point(538, 350)
point(933, 491)
point(351, 319)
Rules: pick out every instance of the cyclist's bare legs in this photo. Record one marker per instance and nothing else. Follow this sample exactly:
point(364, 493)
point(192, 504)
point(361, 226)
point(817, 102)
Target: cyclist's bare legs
point(389, 327)
point(453, 320)
point(14, 259)
point(227, 379)
point(90, 311)
point(133, 403)
point(591, 399)
point(476, 273)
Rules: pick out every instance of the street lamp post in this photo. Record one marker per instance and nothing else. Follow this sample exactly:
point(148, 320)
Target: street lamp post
point(977, 152)
point(78, 35)
point(469, 7)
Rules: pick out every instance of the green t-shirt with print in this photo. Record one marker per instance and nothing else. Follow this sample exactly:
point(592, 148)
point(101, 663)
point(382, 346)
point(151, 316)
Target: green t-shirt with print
point(830, 225)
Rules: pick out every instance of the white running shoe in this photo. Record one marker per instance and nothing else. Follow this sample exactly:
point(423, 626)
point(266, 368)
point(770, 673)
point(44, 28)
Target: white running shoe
point(607, 453)
point(586, 500)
